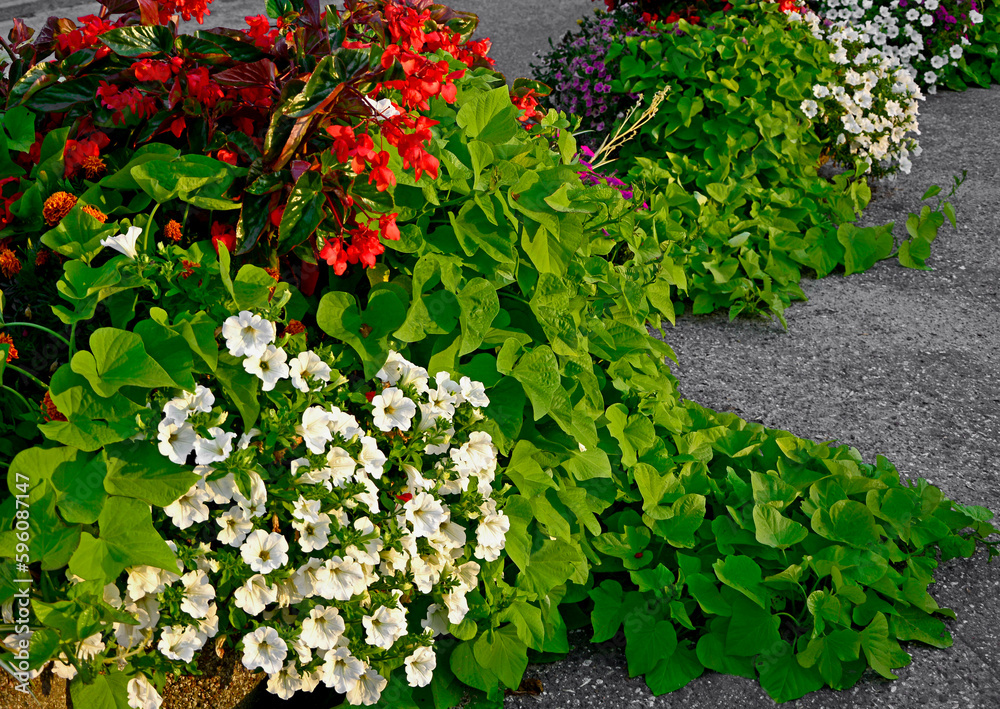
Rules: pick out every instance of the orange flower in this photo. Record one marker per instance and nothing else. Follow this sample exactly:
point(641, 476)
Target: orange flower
point(273, 273)
point(42, 257)
point(96, 213)
point(9, 263)
point(6, 339)
point(294, 327)
point(49, 410)
point(189, 267)
point(172, 230)
point(57, 206)
point(93, 165)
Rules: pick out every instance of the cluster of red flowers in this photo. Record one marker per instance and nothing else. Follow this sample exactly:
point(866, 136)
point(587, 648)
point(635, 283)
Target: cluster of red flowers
point(185, 8)
point(85, 36)
point(364, 245)
point(424, 79)
point(133, 99)
point(261, 32)
point(528, 104)
point(152, 70)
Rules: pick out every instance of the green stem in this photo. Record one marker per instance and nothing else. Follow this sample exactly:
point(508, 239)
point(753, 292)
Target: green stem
point(37, 327)
point(145, 235)
point(19, 395)
point(72, 340)
point(29, 375)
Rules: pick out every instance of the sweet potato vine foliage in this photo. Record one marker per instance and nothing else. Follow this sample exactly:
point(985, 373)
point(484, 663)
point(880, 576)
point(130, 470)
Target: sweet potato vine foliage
point(316, 114)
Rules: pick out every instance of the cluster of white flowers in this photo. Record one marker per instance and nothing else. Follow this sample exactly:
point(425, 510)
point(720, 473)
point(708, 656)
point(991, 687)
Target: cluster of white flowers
point(925, 36)
point(326, 556)
point(870, 107)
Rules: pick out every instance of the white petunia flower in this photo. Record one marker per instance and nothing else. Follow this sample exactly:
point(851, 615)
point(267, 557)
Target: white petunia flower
point(255, 506)
point(142, 694)
point(176, 441)
point(306, 510)
point(341, 669)
point(341, 466)
point(474, 393)
point(146, 580)
point(215, 449)
point(323, 628)
point(189, 508)
point(383, 108)
point(178, 642)
point(316, 428)
point(129, 636)
point(306, 577)
point(367, 689)
point(369, 498)
point(305, 366)
point(955, 52)
point(371, 458)
point(480, 449)
point(64, 670)
point(340, 579)
point(457, 605)
point(930, 77)
point(179, 408)
point(269, 366)
point(436, 620)
point(253, 596)
point(208, 627)
point(235, 525)
point(975, 17)
point(247, 335)
point(938, 61)
point(492, 529)
point(420, 667)
point(264, 551)
point(125, 243)
point(285, 682)
point(343, 424)
point(393, 368)
point(264, 649)
point(393, 410)
point(444, 398)
point(912, 14)
point(927, 20)
point(90, 647)
point(198, 594)
point(384, 627)
point(425, 513)
point(313, 535)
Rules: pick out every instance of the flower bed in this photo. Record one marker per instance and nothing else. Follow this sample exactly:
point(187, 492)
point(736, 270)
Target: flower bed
point(247, 286)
